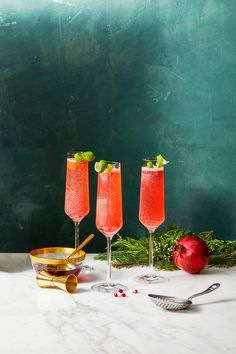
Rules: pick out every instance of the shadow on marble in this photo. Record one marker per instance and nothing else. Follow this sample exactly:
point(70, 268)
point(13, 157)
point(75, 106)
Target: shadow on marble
point(81, 290)
point(232, 299)
point(212, 270)
point(181, 275)
point(191, 309)
point(10, 265)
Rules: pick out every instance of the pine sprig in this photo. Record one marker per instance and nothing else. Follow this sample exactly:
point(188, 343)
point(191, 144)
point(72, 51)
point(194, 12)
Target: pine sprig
point(127, 251)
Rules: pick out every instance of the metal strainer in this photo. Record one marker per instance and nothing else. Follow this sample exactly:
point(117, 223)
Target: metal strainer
point(174, 303)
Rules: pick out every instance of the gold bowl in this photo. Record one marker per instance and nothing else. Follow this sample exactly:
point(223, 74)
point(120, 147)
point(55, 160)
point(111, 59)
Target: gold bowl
point(53, 260)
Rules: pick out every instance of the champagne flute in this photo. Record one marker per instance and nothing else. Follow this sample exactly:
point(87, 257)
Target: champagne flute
point(109, 217)
point(77, 204)
point(151, 209)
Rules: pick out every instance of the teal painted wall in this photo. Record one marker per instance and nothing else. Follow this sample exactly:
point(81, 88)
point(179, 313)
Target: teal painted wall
point(125, 79)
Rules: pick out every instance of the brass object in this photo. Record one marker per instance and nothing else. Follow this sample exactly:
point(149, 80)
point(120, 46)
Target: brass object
point(55, 261)
point(80, 246)
point(67, 283)
point(35, 256)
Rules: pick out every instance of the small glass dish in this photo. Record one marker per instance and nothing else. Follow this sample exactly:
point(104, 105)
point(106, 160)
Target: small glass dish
point(53, 260)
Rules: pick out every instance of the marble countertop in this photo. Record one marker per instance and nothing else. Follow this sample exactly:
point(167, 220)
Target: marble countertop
point(36, 320)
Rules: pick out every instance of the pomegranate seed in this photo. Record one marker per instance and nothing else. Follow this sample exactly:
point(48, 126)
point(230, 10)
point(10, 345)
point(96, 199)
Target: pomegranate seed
point(123, 295)
point(135, 291)
point(120, 290)
point(116, 295)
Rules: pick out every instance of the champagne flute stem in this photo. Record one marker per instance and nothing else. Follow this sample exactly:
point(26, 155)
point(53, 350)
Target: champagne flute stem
point(108, 260)
point(151, 234)
point(76, 234)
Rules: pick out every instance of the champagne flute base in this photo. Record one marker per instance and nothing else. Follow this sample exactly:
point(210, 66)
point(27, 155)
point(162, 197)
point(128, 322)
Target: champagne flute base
point(108, 287)
point(150, 279)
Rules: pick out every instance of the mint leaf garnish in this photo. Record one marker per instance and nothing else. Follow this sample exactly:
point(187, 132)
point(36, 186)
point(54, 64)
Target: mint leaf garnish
point(161, 161)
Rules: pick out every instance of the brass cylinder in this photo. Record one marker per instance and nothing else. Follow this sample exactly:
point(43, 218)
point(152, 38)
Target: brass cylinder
point(67, 283)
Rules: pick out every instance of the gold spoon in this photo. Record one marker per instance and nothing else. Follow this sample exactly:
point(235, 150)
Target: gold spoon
point(80, 246)
point(67, 266)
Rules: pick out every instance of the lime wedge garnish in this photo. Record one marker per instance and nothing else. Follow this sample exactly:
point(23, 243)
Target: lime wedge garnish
point(100, 166)
point(78, 157)
point(109, 168)
point(150, 164)
point(88, 156)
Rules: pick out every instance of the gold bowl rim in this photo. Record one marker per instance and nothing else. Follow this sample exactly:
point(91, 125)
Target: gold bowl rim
point(34, 258)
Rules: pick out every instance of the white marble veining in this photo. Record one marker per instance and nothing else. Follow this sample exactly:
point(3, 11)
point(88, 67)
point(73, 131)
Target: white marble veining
point(35, 320)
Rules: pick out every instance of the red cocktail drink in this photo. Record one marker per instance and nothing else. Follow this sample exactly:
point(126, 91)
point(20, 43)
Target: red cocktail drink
point(77, 189)
point(152, 204)
point(151, 208)
point(109, 217)
point(109, 203)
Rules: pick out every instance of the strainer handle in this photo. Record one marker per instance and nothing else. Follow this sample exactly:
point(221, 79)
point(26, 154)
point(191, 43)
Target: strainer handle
point(208, 290)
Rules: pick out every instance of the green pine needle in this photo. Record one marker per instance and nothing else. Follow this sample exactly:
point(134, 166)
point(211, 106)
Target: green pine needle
point(127, 251)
